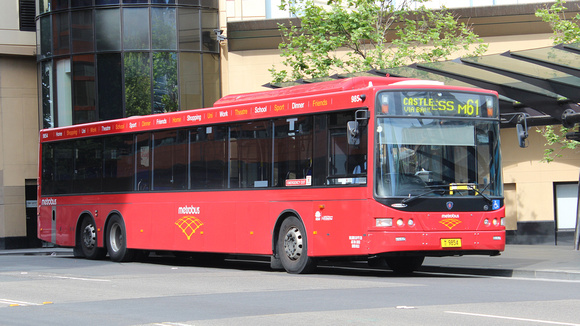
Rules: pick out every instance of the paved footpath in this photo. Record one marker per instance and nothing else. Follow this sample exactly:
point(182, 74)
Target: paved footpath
point(529, 261)
point(526, 261)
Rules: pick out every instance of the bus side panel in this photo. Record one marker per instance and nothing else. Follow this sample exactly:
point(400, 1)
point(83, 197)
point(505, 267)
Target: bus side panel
point(45, 227)
point(253, 226)
point(333, 222)
point(336, 228)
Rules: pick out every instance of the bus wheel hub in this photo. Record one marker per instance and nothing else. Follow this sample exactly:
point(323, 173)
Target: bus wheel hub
point(293, 243)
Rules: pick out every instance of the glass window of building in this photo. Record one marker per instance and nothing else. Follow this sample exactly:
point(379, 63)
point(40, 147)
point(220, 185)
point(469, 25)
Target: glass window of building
point(45, 36)
point(163, 28)
point(136, 29)
point(81, 3)
point(84, 88)
point(108, 59)
point(60, 33)
point(191, 95)
point(110, 86)
point(165, 91)
point(209, 21)
point(82, 31)
point(46, 99)
point(106, 2)
point(137, 73)
point(59, 4)
point(108, 29)
point(189, 29)
point(211, 88)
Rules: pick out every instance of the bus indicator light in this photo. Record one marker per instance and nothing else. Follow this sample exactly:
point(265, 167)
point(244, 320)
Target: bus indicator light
point(381, 222)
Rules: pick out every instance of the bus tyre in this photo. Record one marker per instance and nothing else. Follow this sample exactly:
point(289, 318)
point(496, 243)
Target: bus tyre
point(292, 247)
point(87, 241)
point(405, 265)
point(117, 240)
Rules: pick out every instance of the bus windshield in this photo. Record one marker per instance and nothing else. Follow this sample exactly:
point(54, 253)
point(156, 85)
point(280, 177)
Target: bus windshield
point(433, 154)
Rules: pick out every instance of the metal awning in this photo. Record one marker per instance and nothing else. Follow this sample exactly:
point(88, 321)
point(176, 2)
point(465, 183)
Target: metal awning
point(543, 84)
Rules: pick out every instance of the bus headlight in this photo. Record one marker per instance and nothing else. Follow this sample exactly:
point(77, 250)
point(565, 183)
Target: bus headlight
point(384, 222)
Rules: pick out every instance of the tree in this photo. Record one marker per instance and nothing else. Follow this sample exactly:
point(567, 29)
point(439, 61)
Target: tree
point(346, 36)
point(566, 30)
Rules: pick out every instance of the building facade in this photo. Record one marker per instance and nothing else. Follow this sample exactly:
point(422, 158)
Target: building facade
point(18, 123)
point(105, 59)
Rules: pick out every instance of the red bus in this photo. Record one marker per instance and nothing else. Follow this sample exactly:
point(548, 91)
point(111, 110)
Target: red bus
point(386, 169)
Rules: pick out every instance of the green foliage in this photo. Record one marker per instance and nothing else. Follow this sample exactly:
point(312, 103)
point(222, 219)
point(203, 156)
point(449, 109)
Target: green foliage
point(566, 30)
point(557, 142)
point(165, 91)
point(137, 84)
point(347, 36)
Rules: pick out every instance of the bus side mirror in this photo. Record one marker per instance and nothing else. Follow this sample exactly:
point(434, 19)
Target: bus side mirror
point(522, 131)
point(353, 133)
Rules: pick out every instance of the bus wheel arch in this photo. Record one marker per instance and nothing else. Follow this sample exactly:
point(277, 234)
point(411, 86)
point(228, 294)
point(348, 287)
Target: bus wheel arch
point(116, 238)
point(86, 238)
point(291, 244)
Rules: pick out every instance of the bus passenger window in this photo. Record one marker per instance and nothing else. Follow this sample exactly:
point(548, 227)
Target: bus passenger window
point(143, 172)
point(208, 157)
point(170, 160)
point(250, 154)
point(347, 163)
point(293, 144)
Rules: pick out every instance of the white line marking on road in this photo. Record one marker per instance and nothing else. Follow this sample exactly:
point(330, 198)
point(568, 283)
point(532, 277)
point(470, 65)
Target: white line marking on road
point(513, 318)
point(18, 303)
point(76, 278)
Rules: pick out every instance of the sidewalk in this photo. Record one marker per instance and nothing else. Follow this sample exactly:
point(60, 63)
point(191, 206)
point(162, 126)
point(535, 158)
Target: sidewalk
point(526, 261)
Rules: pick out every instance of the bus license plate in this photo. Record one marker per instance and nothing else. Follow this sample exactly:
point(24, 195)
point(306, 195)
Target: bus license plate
point(451, 243)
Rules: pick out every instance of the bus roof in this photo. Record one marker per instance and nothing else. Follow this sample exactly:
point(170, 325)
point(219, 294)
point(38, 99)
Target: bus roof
point(310, 89)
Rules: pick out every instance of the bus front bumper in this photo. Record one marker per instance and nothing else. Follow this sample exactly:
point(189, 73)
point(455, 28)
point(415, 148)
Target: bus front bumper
point(437, 243)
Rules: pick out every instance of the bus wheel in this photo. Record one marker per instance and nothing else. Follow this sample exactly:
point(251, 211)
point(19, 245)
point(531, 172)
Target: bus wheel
point(405, 265)
point(87, 240)
point(292, 247)
point(116, 240)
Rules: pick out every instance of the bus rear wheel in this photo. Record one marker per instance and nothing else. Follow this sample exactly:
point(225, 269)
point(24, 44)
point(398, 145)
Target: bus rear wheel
point(292, 247)
point(405, 265)
point(87, 241)
point(117, 240)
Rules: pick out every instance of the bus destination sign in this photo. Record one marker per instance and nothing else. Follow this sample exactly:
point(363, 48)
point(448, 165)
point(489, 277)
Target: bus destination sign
point(450, 104)
point(470, 108)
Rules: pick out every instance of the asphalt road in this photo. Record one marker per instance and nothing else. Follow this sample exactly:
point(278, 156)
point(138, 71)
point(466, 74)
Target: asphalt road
point(61, 290)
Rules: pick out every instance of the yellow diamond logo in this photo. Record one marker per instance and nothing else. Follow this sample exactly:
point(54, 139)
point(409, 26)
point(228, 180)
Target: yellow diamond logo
point(450, 222)
point(188, 225)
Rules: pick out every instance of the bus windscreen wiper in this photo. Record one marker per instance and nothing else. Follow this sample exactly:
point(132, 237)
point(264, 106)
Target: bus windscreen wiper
point(480, 192)
point(430, 191)
point(450, 188)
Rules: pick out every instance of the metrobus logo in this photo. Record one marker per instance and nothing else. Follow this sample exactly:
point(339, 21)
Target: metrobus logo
point(190, 210)
point(188, 225)
point(48, 202)
point(450, 222)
